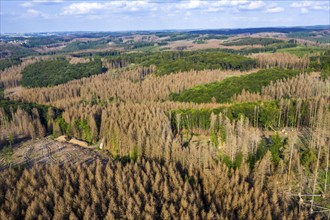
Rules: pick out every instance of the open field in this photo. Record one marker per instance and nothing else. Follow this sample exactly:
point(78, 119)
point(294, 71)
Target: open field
point(47, 151)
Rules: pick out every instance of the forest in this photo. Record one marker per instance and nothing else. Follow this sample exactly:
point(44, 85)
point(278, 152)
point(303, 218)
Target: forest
point(234, 85)
point(171, 62)
point(11, 55)
point(198, 124)
point(15, 51)
point(6, 63)
point(21, 119)
point(58, 71)
point(74, 46)
point(318, 37)
point(253, 41)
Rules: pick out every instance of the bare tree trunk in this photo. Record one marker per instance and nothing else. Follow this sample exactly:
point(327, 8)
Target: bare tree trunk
point(316, 171)
point(291, 143)
point(326, 170)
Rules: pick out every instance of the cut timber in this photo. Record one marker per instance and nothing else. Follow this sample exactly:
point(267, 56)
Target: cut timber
point(102, 144)
point(62, 138)
point(78, 142)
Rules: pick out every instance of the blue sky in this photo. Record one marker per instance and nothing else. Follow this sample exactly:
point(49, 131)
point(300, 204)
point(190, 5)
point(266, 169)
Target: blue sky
point(112, 15)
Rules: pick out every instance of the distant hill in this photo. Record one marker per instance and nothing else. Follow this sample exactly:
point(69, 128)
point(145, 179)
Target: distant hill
point(260, 30)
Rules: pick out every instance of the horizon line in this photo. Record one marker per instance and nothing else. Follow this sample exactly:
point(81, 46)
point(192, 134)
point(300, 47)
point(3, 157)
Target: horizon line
point(326, 26)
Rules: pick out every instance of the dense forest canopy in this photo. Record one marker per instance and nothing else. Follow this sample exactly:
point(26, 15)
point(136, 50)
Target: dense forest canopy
point(171, 62)
point(58, 71)
point(14, 51)
point(147, 189)
point(11, 54)
point(224, 90)
point(74, 46)
point(265, 114)
point(8, 62)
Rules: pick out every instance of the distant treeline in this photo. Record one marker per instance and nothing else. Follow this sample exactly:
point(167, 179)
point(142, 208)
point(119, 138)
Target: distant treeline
point(78, 45)
point(14, 51)
point(256, 30)
point(252, 41)
point(11, 54)
point(321, 37)
point(97, 54)
point(42, 41)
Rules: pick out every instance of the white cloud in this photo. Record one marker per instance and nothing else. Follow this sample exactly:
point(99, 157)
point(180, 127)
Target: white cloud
point(215, 9)
point(26, 4)
point(48, 1)
point(212, 6)
point(321, 7)
point(302, 4)
point(229, 3)
point(253, 5)
point(307, 5)
point(113, 6)
point(304, 10)
point(274, 10)
point(82, 8)
point(217, 5)
point(29, 4)
point(35, 13)
point(192, 4)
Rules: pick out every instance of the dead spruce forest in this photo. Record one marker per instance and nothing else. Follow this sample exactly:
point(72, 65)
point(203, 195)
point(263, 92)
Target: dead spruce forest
point(205, 124)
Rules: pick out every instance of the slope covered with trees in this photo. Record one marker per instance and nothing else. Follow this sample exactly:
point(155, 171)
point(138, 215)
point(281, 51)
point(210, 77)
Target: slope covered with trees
point(15, 51)
point(280, 60)
point(58, 71)
point(85, 45)
point(325, 65)
point(146, 189)
point(252, 41)
point(20, 120)
point(6, 63)
point(223, 91)
point(269, 114)
point(171, 62)
point(11, 54)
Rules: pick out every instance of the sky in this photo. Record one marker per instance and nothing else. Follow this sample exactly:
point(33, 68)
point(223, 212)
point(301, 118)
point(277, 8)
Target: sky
point(113, 15)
